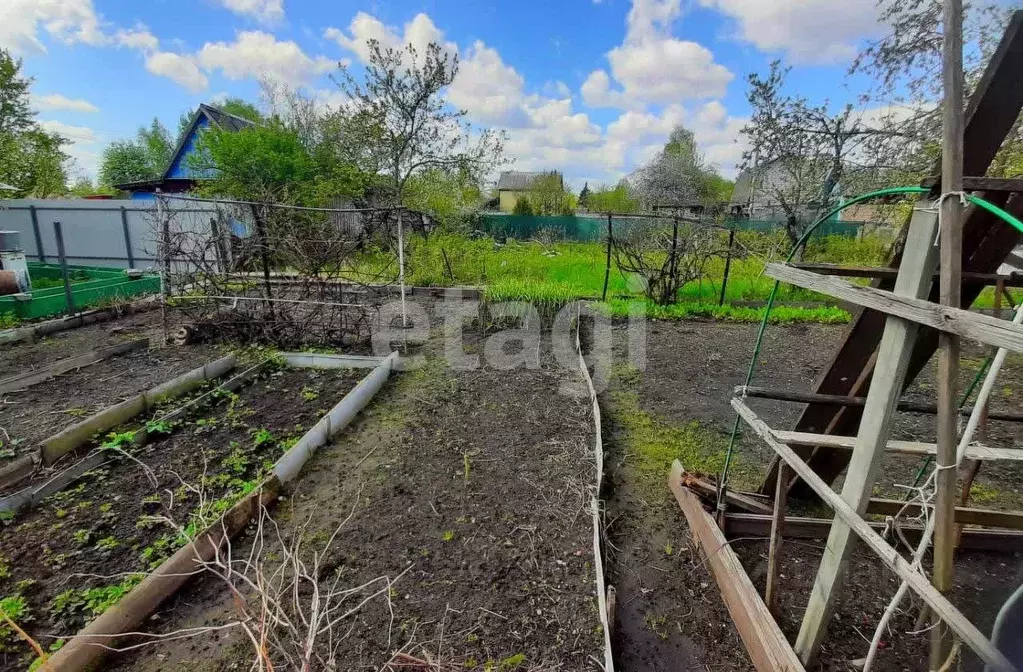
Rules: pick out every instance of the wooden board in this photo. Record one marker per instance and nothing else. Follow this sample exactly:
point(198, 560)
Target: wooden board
point(975, 326)
point(974, 452)
point(767, 646)
point(986, 279)
point(759, 525)
point(938, 603)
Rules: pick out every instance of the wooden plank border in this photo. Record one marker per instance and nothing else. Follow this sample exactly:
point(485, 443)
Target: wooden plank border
point(767, 646)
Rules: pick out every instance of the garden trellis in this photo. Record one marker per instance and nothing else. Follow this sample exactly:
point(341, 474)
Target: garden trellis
point(278, 274)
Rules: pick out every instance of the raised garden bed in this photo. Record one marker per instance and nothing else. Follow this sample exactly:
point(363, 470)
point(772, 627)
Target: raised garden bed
point(31, 415)
point(90, 285)
point(76, 554)
point(474, 488)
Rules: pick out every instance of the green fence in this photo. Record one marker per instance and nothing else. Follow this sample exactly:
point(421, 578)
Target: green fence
point(594, 227)
point(90, 285)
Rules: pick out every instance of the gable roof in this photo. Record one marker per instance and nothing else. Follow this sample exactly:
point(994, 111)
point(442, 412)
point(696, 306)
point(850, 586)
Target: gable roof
point(215, 116)
point(514, 180)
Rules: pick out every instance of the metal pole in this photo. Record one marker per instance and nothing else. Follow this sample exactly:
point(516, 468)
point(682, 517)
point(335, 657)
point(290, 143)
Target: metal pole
point(607, 263)
point(39, 238)
point(401, 270)
point(68, 296)
point(127, 237)
point(951, 290)
point(728, 265)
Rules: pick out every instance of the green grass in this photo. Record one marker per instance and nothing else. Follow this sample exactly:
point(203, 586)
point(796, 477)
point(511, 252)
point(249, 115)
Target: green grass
point(729, 313)
point(552, 275)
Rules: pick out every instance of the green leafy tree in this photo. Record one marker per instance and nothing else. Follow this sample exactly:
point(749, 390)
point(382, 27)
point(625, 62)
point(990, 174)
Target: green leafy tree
point(547, 195)
point(523, 207)
point(584, 196)
point(241, 108)
point(145, 157)
point(272, 163)
point(31, 159)
point(450, 197)
point(16, 114)
point(157, 143)
point(617, 199)
point(124, 161)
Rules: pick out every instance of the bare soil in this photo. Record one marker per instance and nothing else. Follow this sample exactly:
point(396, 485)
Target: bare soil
point(74, 555)
point(32, 415)
point(21, 357)
point(475, 482)
point(670, 615)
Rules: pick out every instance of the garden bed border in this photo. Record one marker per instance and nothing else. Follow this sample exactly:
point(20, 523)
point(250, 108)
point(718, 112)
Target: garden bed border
point(595, 508)
point(27, 379)
point(34, 331)
point(70, 438)
point(85, 649)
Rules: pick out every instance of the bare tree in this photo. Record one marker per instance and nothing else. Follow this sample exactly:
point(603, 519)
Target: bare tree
point(666, 253)
point(399, 114)
point(905, 68)
point(678, 176)
point(800, 153)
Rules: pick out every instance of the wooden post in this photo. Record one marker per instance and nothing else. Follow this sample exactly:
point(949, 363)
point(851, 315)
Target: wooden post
point(69, 297)
point(951, 290)
point(607, 263)
point(728, 265)
point(40, 252)
point(914, 280)
point(781, 492)
point(127, 238)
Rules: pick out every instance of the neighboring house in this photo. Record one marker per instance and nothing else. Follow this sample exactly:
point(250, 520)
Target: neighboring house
point(513, 185)
point(179, 177)
point(756, 190)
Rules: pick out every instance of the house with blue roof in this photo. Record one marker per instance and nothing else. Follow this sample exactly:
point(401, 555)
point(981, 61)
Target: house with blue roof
point(180, 176)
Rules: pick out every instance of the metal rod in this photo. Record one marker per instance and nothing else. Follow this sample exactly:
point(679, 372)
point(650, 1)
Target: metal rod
point(40, 252)
point(607, 262)
point(127, 238)
point(728, 266)
point(68, 296)
point(839, 400)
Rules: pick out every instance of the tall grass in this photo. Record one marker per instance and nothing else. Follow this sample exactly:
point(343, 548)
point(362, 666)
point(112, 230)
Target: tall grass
point(555, 274)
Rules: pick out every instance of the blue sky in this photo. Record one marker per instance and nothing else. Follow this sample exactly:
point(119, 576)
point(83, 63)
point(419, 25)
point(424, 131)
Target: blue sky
point(584, 86)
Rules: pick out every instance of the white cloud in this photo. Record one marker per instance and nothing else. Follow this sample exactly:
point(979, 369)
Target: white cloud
point(491, 91)
point(56, 101)
point(76, 134)
point(69, 21)
point(137, 38)
point(652, 66)
point(264, 11)
point(181, 69)
point(419, 32)
point(259, 54)
point(808, 31)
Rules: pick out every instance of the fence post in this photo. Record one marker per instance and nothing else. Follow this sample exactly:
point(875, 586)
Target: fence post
point(728, 266)
point(607, 263)
point(68, 296)
point(39, 238)
point(127, 237)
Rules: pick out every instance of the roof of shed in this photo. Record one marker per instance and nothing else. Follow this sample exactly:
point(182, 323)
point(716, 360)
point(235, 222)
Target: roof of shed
point(217, 117)
point(514, 180)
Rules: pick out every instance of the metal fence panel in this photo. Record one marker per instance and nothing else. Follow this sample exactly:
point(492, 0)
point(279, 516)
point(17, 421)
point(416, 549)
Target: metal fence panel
point(110, 233)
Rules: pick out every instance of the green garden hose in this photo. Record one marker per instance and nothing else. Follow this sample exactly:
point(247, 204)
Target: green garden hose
point(976, 200)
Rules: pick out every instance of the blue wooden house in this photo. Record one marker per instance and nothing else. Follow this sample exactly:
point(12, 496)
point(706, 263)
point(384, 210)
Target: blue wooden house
point(180, 177)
